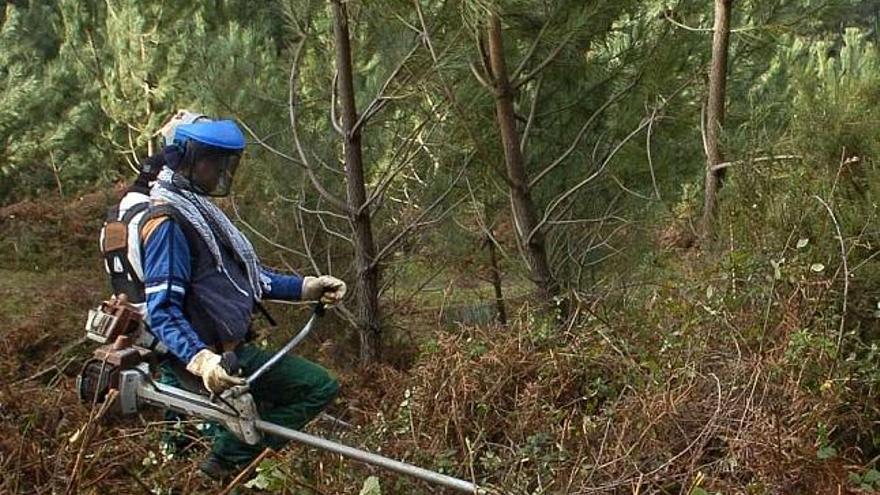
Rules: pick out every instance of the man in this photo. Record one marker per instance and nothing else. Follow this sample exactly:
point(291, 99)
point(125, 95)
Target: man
point(203, 281)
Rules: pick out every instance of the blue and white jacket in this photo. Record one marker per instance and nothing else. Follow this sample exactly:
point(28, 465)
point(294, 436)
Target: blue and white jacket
point(190, 305)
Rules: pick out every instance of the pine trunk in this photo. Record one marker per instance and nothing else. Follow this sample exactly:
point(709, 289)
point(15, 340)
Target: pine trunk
point(715, 113)
point(520, 195)
point(367, 284)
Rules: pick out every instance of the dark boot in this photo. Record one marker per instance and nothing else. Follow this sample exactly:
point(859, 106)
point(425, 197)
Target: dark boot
point(217, 469)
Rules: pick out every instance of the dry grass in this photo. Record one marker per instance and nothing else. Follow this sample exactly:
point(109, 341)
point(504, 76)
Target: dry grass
point(527, 409)
point(651, 388)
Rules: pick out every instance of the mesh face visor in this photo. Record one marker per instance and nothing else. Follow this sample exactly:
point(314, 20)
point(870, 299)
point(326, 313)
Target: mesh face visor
point(210, 168)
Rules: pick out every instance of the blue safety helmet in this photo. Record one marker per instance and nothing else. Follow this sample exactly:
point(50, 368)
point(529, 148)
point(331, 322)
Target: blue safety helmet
point(218, 133)
point(210, 152)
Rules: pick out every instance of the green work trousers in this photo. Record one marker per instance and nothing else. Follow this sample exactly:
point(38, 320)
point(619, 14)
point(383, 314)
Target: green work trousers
point(291, 393)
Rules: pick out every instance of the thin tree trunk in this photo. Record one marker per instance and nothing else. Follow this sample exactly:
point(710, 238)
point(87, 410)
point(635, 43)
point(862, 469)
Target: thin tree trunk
point(501, 311)
point(523, 208)
point(365, 249)
point(715, 112)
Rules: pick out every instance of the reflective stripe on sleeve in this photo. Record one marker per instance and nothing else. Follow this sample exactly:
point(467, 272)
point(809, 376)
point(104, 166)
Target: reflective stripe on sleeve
point(159, 288)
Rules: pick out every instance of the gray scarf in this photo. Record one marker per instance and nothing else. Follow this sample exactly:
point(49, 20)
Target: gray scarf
point(203, 214)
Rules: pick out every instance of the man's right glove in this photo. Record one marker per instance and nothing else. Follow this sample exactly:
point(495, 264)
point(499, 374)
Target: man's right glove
point(206, 364)
point(329, 290)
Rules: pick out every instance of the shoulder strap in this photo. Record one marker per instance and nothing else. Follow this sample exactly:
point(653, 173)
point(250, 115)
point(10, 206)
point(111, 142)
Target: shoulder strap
point(134, 211)
point(163, 210)
point(112, 213)
point(265, 312)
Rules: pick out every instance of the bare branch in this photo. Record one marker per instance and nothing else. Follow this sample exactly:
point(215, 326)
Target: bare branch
point(534, 72)
point(843, 162)
point(650, 159)
point(418, 222)
point(319, 215)
point(758, 160)
point(334, 171)
point(478, 143)
point(556, 202)
point(484, 57)
point(334, 120)
point(305, 241)
point(592, 241)
point(594, 155)
point(650, 167)
point(391, 173)
point(291, 100)
point(531, 119)
point(424, 31)
point(520, 246)
point(607, 217)
point(134, 161)
point(409, 25)
point(522, 64)
point(260, 234)
point(706, 30)
point(266, 145)
point(628, 190)
point(845, 273)
point(578, 221)
point(327, 195)
point(703, 128)
point(685, 26)
point(479, 77)
point(579, 136)
point(381, 100)
point(340, 308)
point(485, 229)
point(298, 203)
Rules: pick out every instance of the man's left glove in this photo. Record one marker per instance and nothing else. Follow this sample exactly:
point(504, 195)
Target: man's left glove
point(209, 366)
point(329, 290)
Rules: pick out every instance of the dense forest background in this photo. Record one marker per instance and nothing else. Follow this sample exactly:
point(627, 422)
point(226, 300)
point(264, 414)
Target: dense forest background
point(595, 247)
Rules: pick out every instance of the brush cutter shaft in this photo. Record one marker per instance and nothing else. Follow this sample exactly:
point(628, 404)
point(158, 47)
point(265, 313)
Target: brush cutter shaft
point(367, 457)
point(318, 310)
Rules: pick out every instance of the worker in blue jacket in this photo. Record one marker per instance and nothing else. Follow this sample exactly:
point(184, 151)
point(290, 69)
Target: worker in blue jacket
point(203, 281)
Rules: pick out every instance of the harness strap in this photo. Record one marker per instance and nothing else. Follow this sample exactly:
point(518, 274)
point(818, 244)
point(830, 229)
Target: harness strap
point(115, 248)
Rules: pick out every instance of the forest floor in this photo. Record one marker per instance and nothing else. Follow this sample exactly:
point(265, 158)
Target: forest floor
point(667, 391)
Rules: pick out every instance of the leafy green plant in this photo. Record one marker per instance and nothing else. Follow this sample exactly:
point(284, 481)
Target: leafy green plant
point(269, 477)
point(824, 449)
point(868, 481)
point(371, 487)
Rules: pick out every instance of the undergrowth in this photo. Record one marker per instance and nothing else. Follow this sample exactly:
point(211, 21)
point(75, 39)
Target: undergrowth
point(747, 364)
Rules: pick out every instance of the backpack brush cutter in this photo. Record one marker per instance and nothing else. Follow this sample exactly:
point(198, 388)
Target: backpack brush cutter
point(124, 360)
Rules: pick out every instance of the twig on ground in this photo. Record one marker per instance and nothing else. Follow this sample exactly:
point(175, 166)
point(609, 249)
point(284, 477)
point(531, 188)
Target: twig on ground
point(137, 479)
point(244, 472)
point(845, 274)
point(86, 434)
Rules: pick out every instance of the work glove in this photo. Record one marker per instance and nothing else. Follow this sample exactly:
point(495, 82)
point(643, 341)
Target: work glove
point(329, 290)
point(207, 364)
